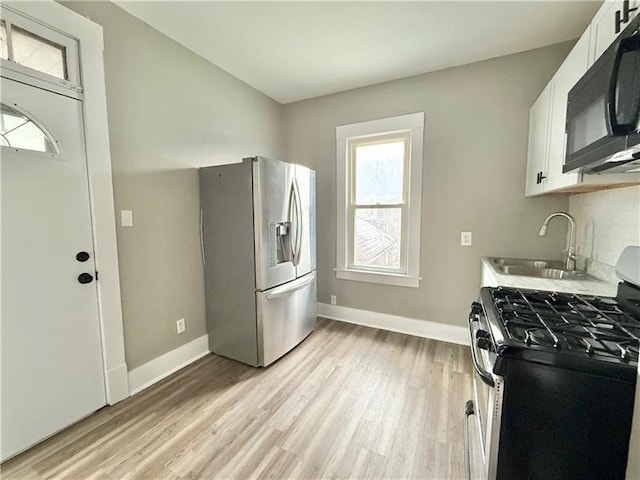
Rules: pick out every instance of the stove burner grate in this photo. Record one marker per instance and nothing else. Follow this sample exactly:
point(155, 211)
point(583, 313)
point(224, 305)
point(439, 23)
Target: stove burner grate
point(591, 325)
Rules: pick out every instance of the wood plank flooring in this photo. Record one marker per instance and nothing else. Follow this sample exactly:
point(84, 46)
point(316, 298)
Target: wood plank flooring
point(349, 402)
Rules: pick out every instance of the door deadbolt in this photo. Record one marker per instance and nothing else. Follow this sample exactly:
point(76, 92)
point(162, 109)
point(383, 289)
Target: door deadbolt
point(85, 278)
point(82, 256)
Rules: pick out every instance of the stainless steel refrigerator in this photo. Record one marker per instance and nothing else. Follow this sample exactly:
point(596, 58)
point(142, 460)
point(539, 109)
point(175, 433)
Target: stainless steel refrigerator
point(258, 234)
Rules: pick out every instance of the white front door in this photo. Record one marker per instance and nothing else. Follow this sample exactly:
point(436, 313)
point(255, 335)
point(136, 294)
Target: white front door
point(52, 371)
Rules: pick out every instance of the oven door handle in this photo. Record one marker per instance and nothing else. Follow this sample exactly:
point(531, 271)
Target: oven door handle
point(468, 411)
point(484, 375)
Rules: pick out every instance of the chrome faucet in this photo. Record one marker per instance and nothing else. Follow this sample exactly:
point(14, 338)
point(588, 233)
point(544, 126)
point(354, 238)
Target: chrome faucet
point(571, 249)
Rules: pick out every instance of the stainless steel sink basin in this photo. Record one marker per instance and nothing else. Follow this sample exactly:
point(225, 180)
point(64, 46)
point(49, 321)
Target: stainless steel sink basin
point(551, 269)
point(519, 262)
point(554, 273)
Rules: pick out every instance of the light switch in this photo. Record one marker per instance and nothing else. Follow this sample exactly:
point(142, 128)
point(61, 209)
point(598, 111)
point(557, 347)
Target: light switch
point(126, 218)
point(465, 239)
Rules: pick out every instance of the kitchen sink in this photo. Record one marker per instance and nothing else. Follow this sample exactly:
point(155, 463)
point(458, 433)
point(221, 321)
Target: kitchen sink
point(553, 273)
point(551, 269)
point(519, 262)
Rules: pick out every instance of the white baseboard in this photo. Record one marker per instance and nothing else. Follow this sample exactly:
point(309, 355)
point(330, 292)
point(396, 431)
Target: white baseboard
point(151, 372)
point(394, 323)
point(117, 383)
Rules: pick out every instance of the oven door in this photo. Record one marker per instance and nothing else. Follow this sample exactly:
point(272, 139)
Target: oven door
point(482, 448)
point(603, 108)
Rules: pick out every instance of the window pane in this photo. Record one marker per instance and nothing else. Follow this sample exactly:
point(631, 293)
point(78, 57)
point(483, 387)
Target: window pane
point(377, 237)
point(379, 173)
point(4, 49)
point(18, 131)
point(37, 53)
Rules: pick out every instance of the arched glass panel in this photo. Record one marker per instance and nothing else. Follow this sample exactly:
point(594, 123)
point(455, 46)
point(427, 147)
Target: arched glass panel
point(17, 130)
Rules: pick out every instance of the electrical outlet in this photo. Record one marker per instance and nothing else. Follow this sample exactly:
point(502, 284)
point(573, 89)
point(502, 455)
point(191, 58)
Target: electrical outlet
point(465, 239)
point(334, 299)
point(180, 325)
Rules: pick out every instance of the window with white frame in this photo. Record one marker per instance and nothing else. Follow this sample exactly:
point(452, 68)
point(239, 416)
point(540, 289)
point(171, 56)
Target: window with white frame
point(379, 175)
point(32, 49)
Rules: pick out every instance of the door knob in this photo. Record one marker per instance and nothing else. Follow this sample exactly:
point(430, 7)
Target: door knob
point(85, 278)
point(82, 256)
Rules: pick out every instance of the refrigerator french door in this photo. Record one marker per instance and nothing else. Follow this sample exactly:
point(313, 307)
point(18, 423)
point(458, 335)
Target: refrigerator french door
point(305, 183)
point(258, 242)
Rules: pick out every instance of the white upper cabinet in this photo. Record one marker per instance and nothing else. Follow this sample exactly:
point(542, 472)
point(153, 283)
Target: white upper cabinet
point(548, 115)
point(547, 119)
point(603, 28)
point(538, 151)
point(604, 25)
point(574, 66)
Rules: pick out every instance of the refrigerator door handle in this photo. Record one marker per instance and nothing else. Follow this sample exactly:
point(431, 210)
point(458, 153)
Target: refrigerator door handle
point(289, 288)
point(292, 220)
point(202, 239)
point(298, 222)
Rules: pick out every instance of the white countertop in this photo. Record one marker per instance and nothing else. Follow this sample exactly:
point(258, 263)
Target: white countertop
point(592, 286)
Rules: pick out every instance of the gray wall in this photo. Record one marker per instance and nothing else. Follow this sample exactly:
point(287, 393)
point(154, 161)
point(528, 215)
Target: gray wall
point(475, 143)
point(170, 111)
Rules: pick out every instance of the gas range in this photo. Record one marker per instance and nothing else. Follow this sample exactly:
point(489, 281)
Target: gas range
point(554, 382)
point(586, 333)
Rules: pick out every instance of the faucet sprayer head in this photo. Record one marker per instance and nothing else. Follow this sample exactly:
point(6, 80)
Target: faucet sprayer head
point(543, 230)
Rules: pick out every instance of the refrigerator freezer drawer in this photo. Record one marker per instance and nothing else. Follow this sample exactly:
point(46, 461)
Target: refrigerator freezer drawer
point(286, 315)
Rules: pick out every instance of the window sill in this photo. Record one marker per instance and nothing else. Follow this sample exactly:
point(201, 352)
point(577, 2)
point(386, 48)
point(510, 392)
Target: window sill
point(397, 279)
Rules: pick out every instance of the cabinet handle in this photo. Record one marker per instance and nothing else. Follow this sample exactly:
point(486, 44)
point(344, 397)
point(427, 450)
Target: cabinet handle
point(623, 17)
point(539, 177)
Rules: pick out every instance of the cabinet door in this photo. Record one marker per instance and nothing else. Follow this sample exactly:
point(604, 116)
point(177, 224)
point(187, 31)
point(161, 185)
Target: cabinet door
point(604, 25)
point(539, 123)
point(603, 28)
point(574, 66)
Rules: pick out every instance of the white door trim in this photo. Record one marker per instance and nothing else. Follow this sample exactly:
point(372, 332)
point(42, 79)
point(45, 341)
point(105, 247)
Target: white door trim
point(89, 35)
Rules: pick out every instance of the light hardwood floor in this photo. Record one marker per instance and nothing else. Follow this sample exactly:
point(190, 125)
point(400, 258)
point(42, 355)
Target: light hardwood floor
point(349, 402)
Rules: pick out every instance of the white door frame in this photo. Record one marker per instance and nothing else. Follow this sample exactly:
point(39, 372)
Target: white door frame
point(89, 36)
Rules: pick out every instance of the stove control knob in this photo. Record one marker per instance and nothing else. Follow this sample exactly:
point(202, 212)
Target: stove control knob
point(482, 334)
point(484, 343)
point(476, 308)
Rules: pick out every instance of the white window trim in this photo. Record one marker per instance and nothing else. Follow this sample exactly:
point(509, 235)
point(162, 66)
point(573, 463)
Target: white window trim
point(414, 124)
point(70, 87)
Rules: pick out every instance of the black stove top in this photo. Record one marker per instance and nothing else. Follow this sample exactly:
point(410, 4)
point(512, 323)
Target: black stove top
point(584, 332)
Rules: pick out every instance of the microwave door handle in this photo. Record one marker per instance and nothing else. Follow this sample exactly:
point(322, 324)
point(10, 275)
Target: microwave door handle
point(624, 46)
point(612, 116)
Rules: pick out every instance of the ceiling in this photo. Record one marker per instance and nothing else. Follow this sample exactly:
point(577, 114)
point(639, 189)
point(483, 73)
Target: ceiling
point(296, 50)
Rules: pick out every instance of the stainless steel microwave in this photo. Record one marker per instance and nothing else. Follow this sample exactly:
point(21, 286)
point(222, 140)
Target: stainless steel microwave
point(603, 110)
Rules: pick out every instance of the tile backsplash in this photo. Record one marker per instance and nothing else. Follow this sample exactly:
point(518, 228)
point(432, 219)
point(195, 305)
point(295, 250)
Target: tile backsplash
point(607, 221)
